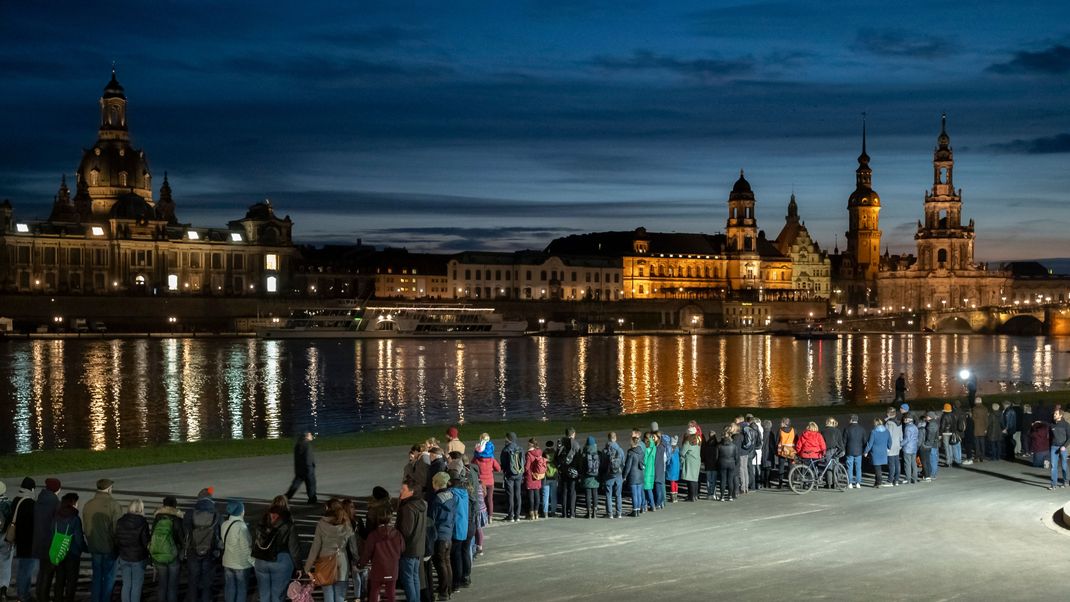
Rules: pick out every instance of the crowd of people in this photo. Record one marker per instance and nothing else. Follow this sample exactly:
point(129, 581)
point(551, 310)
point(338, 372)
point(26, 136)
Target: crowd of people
point(425, 540)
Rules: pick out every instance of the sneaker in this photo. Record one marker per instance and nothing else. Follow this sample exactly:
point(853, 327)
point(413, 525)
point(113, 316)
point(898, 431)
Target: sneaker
point(928, 479)
point(967, 462)
point(1047, 464)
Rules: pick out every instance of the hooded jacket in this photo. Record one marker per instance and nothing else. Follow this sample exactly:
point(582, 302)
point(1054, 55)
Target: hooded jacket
point(672, 470)
point(383, 549)
point(610, 451)
point(333, 539)
point(44, 512)
point(879, 444)
point(910, 438)
point(275, 534)
point(633, 466)
point(132, 537)
point(530, 461)
point(66, 520)
point(100, 517)
point(460, 521)
point(203, 505)
point(810, 445)
point(690, 461)
point(650, 454)
point(484, 451)
point(412, 523)
point(487, 467)
point(506, 459)
point(237, 543)
point(591, 465)
point(895, 431)
point(172, 514)
point(568, 455)
point(441, 517)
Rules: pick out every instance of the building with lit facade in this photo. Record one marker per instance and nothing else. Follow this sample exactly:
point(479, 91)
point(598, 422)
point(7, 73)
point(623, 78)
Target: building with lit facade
point(113, 236)
point(811, 268)
point(534, 275)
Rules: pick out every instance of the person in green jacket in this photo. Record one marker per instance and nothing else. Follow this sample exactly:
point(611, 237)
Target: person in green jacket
point(650, 454)
point(690, 461)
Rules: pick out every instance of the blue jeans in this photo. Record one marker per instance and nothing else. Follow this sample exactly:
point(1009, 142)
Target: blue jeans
point(24, 575)
point(637, 497)
point(934, 460)
point(235, 585)
point(893, 469)
point(335, 592)
point(103, 580)
point(613, 496)
point(1058, 459)
point(711, 482)
point(167, 582)
point(854, 470)
point(200, 573)
point(133, 579)
point(648, 495)
point(272, 578)
point(956, 452)
point(409, 576)
point(659, 494)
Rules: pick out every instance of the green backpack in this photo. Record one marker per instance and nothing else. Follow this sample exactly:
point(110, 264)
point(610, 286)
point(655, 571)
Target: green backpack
point(551, 469)
point(162, 546)
point(61, 544)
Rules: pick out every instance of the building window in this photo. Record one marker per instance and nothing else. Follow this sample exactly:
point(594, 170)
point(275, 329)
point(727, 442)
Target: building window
point(122, 178)
point(50, 256)
point(497, 274)
point(195, 260)
point(542, 276)
point(74, 257)
point(94, 177)
point(217, 261)
point(272, 284)
point(529, 278)
point(468, 274)
point(271, 262)
point(172, 282)
point(237, 261)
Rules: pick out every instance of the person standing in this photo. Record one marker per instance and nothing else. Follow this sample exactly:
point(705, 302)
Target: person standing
point(412, 524)
point(6, 549)
point(512, 462)
point(877, 448)
point(165, 543)
point(947, 435)
point(44, 514)
point(661, 462)
point(901, 388)
point(382, 550)
point(237, 553)
point(785, 450)
point(333, 542)
point(1009, 421)
point(855, 440)
point(442, 518)
point(568, 471)
point(728, 465)
point(488, 465)
point(895, 432)
point(200, 528)
point(672, 469)
point(650, 454)
point(1060, 438)
point(458, 550)
point(994, 433)
point(911, 438)
point(304, 468)
point(275, 548)
point(22, 518)
point(613, 457)
point(633, 475)
point(453, 442)
point(549, 484)
point(709, 464)
point(980, 429)
point(132, 540)
point(67, 520)
point(534, 475)
point(592, 468)
point(929, 445)
point(690, 464)
point(101, 515)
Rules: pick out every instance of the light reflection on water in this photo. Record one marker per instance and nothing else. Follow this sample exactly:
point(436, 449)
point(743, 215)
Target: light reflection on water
point(101, 394)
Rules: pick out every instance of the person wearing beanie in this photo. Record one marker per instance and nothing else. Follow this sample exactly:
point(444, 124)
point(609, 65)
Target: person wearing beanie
point(101, 515)
point(201, 535)
point(237, 553)
point(590, 470)
point(22, 517)
point(654, 427)
point(169, 536)
point(512, 463)
point(304, 468)
point(67, 520)
point(442, 519)
point(132, 538)
point(44, 511)
point(453, 444)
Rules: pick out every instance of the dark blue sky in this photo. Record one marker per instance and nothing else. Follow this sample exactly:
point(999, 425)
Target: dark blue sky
point(464, 125)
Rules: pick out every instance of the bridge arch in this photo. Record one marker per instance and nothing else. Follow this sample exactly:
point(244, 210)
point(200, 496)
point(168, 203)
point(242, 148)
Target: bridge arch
point(954, 324)
point(1022, 324)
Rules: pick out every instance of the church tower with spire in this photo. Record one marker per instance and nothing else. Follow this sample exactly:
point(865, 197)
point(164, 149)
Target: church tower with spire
point(943, 242)
point(863, 234)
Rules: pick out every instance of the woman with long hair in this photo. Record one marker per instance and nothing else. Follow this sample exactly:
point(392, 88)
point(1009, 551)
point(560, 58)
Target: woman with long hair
point(334, 539)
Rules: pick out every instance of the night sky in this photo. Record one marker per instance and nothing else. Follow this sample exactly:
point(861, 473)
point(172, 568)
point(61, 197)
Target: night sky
point(447, 126)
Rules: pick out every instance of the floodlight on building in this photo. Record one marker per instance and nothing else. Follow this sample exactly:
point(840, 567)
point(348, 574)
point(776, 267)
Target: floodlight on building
point(192, 235)
point(235, 237)
point(97, 231)
point(22, 228)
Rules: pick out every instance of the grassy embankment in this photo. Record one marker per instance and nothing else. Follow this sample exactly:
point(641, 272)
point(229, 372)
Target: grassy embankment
point(44, 463)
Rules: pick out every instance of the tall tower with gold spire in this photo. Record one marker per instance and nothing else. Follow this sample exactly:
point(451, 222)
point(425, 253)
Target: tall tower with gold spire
point(863, 233)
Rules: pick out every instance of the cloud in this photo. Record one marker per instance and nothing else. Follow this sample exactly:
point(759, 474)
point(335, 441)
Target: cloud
point(1059, 143)
point(326, 69)
point(704, 69)
point(901, 43)
point(453, 240)
point(387, 36)
point(1050, 61)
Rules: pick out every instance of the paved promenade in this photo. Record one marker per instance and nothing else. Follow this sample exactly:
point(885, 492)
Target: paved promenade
point(976, 533)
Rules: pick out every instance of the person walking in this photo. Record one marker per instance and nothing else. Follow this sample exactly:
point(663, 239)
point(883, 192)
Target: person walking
point(237, 553)
point(633, 474)
point(488, 465)
point(1060, 438)
point(568, 471)
point(165, 544)
point(895, 432)
point(512, 462)
point(304, 468)
point(728, 465)
point(200, 527)
point(613, 459)
point(68, 521)
point(877, 449)
point(442, 518)
point(22, 519)
point(383, 550)
point(412, 524)
point(332, 545)
point(690, 465)
point(855, 439)
point(100, 517)
point(534, 475)
point(132, 539)
point(980, 429)
point(592, 469)
point(911, 439)
point(901, 388)
point(785, 450)
point(44, 514)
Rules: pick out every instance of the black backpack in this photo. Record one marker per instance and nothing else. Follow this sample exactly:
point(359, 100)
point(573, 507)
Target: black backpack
point(592, 465)
point(750, 438)
point(616, 462)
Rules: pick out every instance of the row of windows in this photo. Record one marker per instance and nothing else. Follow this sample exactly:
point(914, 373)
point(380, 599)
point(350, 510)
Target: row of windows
point(552, 275)
point(663, 271)
point(487, 292)
point(50, 256)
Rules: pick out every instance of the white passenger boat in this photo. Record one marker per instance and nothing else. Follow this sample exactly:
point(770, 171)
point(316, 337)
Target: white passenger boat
point(349, 321)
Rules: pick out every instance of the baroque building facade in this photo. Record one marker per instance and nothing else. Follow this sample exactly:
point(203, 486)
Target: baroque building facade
point(811, 268)
point(112, 236)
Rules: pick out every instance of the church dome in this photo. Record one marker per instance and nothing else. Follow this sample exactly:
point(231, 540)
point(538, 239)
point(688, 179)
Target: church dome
point(741, 190)
point(864, 197)
point(116, 164)
point(114, 89)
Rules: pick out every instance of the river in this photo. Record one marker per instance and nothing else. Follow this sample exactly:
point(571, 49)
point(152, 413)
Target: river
point(100, 394)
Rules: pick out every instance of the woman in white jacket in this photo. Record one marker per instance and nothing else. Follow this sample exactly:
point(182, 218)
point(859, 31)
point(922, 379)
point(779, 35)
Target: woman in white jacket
point(237, 553)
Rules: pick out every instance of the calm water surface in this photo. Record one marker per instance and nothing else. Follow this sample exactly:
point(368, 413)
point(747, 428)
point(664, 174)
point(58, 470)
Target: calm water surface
point(119, 393)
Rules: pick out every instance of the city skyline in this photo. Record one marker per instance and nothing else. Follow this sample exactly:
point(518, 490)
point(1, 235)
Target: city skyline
point(440, 133)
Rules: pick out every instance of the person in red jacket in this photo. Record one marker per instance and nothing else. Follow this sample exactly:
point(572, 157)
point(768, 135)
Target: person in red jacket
point(534, 473)
point(488, 465)
point(810, 445)
point(383, 550)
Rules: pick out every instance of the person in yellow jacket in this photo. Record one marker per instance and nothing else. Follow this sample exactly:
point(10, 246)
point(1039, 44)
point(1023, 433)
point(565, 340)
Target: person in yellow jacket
point(785, 449)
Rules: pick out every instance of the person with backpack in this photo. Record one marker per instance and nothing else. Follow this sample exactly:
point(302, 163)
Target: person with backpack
point(412, 524)
point(613, 476)
point(534, 475)
point(22, 521)
point(332, 545)
point(592, 469)
point(304, 468)
point(672, 468)
point(690, 463)
point(101, 515)
point(382, 550)
point(275, 547)
point(132, 539)
point(67, 522)
point(512, 462)
point(755, 457)
point(634, 474)
point(165, 546)
point(549, 483)
point(44, 513)
point(854, 439)
point(201, 533)
point(488, 465)
point(237, 553)
point(568, 471)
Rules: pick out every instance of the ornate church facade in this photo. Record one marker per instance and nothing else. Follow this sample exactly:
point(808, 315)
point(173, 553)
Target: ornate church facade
point(112, 236)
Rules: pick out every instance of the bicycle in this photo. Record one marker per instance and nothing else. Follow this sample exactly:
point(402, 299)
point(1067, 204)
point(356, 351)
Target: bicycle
point(805, 474)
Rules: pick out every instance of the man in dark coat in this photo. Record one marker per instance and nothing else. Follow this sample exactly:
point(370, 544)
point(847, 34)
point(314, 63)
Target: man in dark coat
point(304, 468)
point(44, 512)
point(854, 439)
point(22, 516)
point(568, 454)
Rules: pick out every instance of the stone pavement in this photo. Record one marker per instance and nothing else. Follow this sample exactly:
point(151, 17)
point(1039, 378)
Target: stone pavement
point(981, 532)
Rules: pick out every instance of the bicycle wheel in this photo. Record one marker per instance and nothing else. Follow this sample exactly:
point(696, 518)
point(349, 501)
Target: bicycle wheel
point(839, 477)
point(801, 479)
